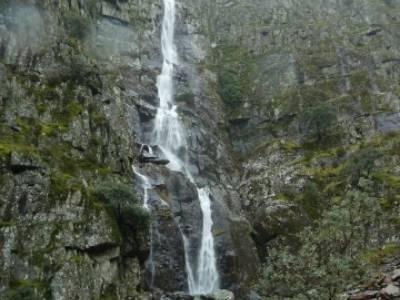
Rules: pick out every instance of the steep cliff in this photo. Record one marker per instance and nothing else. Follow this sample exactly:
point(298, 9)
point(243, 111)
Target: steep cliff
point(78, 97)
point(288, 105)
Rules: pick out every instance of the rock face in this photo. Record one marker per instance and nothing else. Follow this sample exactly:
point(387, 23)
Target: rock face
point(78, 94)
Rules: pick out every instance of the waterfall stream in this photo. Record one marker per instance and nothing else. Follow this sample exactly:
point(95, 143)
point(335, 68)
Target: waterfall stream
point(171, 137)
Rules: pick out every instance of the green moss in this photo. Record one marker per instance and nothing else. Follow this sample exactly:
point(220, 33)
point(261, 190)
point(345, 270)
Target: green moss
point(387, 178)
point(359, 80)
point(26, 290)
point(78, 259)
point(6, 223)
point(377, 257)
point(6, 149)
point(366, 102)
point(96, 117)
point(59, 186)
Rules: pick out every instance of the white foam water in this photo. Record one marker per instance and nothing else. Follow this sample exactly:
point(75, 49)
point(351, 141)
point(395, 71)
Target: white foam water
point(170, 136)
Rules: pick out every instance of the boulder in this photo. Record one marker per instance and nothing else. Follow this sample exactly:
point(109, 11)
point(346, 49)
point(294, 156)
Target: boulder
point(396, 275)
point(390, 292)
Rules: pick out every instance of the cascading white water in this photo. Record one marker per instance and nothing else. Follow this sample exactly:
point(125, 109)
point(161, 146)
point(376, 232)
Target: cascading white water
point(146, 185)
point(170, 136)
point(207, 274)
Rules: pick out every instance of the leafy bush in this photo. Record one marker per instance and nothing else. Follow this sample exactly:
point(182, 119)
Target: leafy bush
point(331, 254)
point(122, 203)
point(319, 119)
point(229, 88)
point(360, 164)
point(20, 293)
point(76, 25)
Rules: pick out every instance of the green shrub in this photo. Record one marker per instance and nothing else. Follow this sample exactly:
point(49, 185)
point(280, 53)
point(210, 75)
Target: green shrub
point(123, 204)
point(319, 119)
point(360, 164)
point(76, 25)
point(229, 88)
point(311, 200)
point(20, 293)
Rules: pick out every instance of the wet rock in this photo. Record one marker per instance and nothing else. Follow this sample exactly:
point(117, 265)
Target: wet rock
point(165, 267)
point(219, 295)
point(146, 111)
point(153, 160)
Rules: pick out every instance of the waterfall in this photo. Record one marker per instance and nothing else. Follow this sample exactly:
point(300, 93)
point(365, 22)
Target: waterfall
point(146, 185)
point(171, 137)
point(207, 273)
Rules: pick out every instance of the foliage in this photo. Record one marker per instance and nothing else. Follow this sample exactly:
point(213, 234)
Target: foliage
point(319, 119)
point(311, 199)
point(360, 164)
point(229, 88)
point(122, 203)
point(330, 256)
point(26, 290)
point(76, 25)
point(20, 293)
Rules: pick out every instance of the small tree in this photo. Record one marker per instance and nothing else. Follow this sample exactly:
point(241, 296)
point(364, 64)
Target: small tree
point(229, 88)
point(121, 202)
point(360, 164)
point(319, 119)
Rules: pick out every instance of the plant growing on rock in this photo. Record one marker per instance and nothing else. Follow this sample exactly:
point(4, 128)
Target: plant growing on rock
point(229, 88)
point(76, 25)
point(360, 164)
point(319, 119)
point(123, 204)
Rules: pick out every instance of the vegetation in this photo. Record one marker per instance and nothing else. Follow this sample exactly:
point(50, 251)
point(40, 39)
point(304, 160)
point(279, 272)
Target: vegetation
point(319, 119)
point(360, 164)
point(332, 251)
point(229, 88)
point(351, 200)
point(20, 293)
point(122, 203)
point(25, 290)
point(76, 25)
